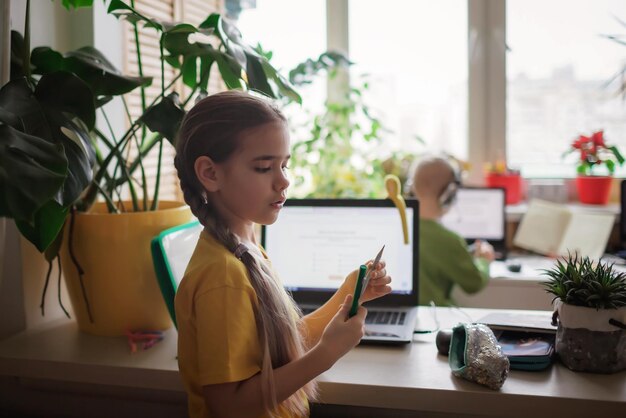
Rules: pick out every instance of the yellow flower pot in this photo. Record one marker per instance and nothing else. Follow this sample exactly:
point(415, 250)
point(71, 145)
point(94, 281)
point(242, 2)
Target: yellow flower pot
point(119, 282)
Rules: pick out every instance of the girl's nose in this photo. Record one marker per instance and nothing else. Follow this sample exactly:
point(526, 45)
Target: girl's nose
point(282, 181)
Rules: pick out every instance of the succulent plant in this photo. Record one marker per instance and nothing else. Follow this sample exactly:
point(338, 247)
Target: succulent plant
point(579, 281)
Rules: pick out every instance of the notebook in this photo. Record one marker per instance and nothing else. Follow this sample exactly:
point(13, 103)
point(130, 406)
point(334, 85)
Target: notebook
point(479, 213)
point(540, 322)
point(315, 243)
point(556, 230)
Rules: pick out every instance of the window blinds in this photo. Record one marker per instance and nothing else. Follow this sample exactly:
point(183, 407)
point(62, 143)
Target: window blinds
point(189, 11)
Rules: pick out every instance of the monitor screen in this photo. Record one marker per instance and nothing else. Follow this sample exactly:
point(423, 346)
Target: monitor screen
point(478, 213)
point(314, 245)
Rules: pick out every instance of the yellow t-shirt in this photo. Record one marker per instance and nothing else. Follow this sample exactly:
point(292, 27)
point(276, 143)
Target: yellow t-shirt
point(217, 334)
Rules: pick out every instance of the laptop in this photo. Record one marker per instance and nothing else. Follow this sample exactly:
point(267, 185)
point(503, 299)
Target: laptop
point(315, 243)
point(479, 213)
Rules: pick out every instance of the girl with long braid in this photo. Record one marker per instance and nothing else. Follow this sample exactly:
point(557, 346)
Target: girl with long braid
point(244, 349)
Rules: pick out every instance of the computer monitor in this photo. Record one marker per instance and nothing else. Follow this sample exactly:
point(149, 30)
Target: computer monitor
point(315, 243)
point(479, 213)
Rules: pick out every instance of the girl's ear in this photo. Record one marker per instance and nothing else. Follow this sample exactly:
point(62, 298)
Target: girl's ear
point(206, 172)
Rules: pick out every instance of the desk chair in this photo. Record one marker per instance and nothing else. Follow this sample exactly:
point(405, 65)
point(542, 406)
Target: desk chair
point(171, 252)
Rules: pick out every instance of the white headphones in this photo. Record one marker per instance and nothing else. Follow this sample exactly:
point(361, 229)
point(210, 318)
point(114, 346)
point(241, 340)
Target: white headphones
point(448, 196)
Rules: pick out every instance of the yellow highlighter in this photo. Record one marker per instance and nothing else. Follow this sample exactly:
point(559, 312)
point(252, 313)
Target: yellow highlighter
point(392, 184)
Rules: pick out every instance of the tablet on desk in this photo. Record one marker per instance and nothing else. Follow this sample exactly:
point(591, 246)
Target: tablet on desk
point(539, 322)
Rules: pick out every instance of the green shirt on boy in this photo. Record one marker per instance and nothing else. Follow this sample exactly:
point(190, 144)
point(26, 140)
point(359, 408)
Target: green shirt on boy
point(444, 261)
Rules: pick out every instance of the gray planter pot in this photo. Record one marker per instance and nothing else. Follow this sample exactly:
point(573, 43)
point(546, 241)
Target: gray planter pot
point(586, 341)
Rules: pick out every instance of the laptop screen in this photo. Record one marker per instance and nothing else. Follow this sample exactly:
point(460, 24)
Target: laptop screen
point(478, 213)
point(315, 243)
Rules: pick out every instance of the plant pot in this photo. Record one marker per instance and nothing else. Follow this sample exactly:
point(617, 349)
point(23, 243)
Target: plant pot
point(512, 184)
point(119, 281)
point(594, 190)
point(587, 342)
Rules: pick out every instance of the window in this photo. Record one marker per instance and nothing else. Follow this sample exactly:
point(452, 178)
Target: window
point(415, 55)
point(527, 104)
point(481, 79)
point(293, 32)
point(558, 66)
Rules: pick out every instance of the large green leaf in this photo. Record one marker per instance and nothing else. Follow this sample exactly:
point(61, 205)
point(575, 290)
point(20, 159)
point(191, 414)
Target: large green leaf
point(17, 55)
point(103, 78)
point(32, 170)
point(122, 10)
point(52, 92)
point(305, 72)
point(91, 66)
point(48, 113)
point(176, 42)
point(189, 70)
point(257, 80)
point(281, 83)
point(229, 35)
point(230, 71)
point(206, 61)
point(59, 110)
point(48, 222)
point(68, 4)
point(165, 117)
point(21, 110)
point(47, 60)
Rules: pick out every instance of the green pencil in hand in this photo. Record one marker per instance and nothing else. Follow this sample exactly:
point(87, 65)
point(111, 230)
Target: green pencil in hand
point(357, 291)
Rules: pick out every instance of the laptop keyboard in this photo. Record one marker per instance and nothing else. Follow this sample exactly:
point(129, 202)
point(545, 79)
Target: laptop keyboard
point(377, 317)
point(385, 317)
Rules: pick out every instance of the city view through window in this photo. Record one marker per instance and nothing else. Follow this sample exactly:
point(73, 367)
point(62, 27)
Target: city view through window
point(558, 67)
point(414, 55)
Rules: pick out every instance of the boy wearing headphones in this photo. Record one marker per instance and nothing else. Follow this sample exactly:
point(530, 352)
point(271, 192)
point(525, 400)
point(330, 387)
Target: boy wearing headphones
point(444, 257)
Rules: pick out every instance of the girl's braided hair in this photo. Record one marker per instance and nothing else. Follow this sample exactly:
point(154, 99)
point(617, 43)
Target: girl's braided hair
point(212, 128)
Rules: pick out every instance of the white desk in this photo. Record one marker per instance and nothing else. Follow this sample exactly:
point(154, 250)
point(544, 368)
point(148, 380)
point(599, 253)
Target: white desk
point(509, 290)
point(410, 378)
point(521, 290)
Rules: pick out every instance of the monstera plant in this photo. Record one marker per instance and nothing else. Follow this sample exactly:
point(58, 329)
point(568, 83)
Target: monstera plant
point(54, 158)
point(57, 163)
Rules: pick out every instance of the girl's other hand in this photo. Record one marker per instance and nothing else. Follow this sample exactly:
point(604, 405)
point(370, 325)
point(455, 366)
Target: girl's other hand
point(379, 282)
point(343, 333)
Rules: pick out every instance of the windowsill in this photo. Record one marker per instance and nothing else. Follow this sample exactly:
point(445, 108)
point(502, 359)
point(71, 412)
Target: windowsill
point(58, 349)
point(514, 213)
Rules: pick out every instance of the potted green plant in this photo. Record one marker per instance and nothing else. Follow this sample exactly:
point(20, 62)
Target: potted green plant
point(593, 153)
point(57, 163)
point(590, 308)
point(335, 156)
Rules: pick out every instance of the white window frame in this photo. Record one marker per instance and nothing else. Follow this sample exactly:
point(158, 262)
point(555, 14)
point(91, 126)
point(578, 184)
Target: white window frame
point(486, 83)
point(486, 75)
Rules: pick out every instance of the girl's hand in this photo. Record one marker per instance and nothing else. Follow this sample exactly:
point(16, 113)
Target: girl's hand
point(378, 285)
point(343, 333)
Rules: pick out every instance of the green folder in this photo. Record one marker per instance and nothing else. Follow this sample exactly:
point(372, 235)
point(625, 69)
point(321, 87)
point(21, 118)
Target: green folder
point(171, 251)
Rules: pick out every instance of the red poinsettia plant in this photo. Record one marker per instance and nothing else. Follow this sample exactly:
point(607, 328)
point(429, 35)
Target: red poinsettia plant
point(594, 152)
